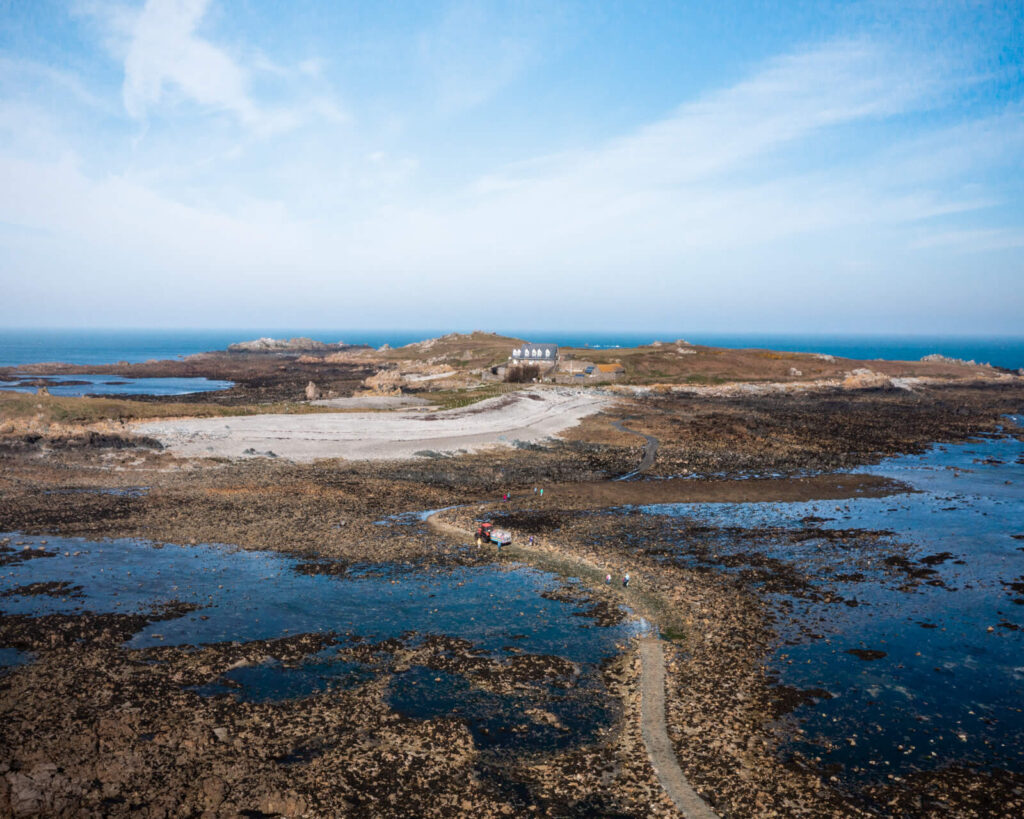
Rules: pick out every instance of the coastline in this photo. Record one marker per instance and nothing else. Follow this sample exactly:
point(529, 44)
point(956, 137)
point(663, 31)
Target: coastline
point(62, 478)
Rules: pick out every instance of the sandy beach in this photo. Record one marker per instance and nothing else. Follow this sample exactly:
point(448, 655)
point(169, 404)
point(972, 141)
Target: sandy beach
point(527, 417)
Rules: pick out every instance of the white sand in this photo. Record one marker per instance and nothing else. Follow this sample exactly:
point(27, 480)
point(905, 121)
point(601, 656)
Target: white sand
point(528, 416)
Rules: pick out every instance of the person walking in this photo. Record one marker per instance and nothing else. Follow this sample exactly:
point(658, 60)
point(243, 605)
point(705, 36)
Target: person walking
point(608, 579)
point(625, 580)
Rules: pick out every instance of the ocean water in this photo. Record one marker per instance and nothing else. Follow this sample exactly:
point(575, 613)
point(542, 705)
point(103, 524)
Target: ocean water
point(110, 346)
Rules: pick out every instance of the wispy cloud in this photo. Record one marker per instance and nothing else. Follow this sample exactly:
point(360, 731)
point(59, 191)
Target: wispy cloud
point(168, 61)
point(722, 197)
point(472, 52)
point(728, 168)
point(25, 73)
point(166, 52)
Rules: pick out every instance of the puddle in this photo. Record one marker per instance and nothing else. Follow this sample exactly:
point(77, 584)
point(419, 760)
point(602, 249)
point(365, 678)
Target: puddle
point(905, 609)
point(124, 492)
point(73, 385)
point(11, 658)
point(501, 620)
point(412, 518)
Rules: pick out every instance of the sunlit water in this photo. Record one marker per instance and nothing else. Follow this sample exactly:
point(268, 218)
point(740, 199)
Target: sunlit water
point(244, 596)
point(74, 385)
point(944, 680)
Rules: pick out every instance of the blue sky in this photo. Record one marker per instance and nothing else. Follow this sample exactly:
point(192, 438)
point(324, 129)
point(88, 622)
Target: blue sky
point(805, 167)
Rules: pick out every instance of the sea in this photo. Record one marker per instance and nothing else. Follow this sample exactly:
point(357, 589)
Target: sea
point(93, 346)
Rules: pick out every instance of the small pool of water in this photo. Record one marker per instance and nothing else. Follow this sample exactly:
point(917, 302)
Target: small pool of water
point(11, 658)
point(913, 615)
point(500, 614)
point(88, 384)
point(412, 518)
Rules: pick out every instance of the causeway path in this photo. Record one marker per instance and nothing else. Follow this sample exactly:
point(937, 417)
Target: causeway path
point(652, 702)
point(650, 451)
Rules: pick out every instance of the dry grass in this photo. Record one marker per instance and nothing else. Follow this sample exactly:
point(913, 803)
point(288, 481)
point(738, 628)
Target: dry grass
point(713, 365)
point(53, 409)
point(474, 350)
point(455, 399)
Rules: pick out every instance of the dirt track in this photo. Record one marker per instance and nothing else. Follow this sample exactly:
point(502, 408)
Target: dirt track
point(652, 705)
point(659, 748)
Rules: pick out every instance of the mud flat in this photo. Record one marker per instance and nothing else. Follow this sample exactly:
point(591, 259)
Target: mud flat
point(526, 417)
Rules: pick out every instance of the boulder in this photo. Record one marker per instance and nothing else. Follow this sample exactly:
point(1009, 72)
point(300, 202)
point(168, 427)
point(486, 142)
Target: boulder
point(312, 392)
point(865, 379)
point(385, 382)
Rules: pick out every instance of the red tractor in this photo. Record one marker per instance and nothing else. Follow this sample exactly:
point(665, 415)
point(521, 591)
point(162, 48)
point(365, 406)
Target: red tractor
point(486, 533)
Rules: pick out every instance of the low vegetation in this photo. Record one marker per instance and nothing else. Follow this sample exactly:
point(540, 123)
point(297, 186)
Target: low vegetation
point(53, 409)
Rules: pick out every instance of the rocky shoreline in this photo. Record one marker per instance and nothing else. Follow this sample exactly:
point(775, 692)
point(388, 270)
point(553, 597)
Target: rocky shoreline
point(94, 727)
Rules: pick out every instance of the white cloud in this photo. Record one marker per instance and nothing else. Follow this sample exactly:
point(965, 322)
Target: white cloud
point(165, 50)
point(724, 170)
point(720, 202)
point(166, 56)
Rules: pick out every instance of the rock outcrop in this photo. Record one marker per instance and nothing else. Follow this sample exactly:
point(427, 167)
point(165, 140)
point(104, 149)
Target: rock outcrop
point(385, 382)
point(273, 345)
point(943, 359)
point(865, 379)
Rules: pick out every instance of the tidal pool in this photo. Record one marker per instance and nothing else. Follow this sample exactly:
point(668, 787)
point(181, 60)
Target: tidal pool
point(903, 615)
point(89, 384)
point(11, 657)
point(493, 615)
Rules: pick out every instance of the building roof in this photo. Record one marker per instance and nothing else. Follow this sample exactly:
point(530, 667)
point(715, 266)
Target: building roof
point(536, 352)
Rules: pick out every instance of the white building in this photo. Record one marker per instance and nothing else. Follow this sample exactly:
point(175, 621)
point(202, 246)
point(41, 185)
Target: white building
point(535, 354)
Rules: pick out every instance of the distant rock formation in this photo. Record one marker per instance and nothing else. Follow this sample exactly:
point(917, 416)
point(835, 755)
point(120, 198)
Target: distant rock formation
point(942, 359)
point(865, 379)
point(273, 345)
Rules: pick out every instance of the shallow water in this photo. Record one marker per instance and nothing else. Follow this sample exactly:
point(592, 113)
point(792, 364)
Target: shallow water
point(922, 597)
point(244, 596)
point(74, 385)
point(11, 657)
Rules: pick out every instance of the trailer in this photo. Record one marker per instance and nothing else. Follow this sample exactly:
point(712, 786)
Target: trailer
point(486, 533)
